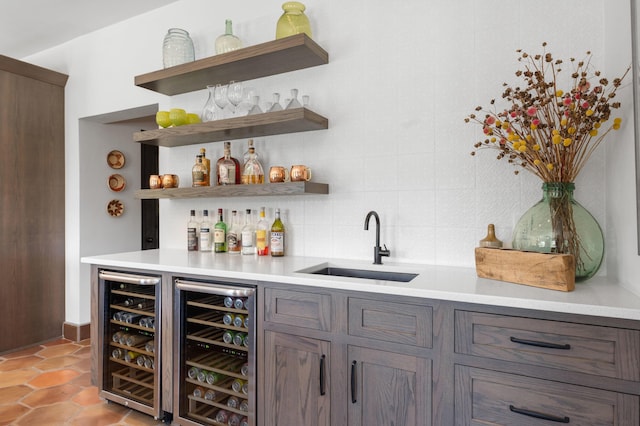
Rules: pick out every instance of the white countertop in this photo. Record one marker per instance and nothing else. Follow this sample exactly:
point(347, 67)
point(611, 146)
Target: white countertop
point(598, 296)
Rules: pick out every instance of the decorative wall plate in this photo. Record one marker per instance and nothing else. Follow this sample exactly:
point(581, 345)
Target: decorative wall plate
point(115, 208)
point(115, 159)
point(117, 182)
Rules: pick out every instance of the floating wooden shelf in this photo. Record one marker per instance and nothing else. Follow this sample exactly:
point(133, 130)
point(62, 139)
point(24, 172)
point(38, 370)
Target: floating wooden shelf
point(269, 123)
point(289, 188)
point(274, 57)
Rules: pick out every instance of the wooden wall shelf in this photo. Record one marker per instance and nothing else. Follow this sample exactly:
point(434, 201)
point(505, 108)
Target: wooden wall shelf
point(274, 57)
point(250, 126)
point(267, 189)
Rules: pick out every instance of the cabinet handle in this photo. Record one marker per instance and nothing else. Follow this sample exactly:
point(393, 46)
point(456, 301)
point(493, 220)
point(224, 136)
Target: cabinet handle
point(538, 415)
point(540, 344)
point(322, 384)
point(353, 382)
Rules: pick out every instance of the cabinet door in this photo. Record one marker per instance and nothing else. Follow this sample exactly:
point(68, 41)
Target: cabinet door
point(388, 389)
point(297, 380)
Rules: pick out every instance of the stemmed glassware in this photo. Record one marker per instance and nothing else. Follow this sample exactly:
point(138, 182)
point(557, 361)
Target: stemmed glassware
point(220, 98)
point(235, 94)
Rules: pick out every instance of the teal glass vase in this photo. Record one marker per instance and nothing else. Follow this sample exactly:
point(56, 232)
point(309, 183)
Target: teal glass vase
point(559, 224)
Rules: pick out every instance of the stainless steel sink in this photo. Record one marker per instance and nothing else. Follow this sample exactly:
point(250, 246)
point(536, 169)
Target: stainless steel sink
point(363, 273)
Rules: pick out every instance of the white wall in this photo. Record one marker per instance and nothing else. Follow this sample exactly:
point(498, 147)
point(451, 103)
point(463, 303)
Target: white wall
point(402, 76)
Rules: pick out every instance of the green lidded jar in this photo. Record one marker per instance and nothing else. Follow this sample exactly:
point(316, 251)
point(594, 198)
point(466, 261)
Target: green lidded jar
point(293, 20)
point(559, 224)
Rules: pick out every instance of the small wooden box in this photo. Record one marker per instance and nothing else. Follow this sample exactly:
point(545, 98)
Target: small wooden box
point(552, 271)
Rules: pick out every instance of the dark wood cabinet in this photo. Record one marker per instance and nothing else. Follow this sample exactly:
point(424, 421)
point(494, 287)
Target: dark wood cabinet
point(32, 199)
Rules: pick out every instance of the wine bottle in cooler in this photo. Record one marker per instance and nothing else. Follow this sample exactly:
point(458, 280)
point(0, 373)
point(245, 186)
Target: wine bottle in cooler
point(206, 240)
point(262, 235)
point(192, 232)
point(277, 236)
point(248, 244)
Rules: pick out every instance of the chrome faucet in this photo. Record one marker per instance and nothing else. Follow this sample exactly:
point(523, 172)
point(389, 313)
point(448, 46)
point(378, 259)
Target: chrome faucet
point(378, 251)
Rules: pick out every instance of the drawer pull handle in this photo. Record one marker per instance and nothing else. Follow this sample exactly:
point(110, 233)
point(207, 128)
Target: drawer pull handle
point(538, 415)
point(540, 344)
point(322, 372)
point(353, 382)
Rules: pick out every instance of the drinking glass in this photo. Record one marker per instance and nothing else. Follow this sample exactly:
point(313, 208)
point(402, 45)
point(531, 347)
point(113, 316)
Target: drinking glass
point(220, 98)
point(234, 94)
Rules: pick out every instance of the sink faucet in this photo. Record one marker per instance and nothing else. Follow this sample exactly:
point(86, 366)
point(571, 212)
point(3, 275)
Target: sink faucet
point(378, 251)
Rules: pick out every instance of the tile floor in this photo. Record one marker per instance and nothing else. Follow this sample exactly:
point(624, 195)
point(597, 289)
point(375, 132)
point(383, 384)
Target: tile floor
point(50, 384)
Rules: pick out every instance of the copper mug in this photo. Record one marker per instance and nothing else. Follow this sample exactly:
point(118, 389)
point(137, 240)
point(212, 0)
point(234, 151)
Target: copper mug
point(300, 173)
point(155, 181)
point(170, 181)
point(278, 174)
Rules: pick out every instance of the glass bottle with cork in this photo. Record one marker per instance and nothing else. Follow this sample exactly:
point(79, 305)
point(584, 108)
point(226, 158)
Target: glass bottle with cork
point(199, 173)
point(252, 173)
point(227, 167)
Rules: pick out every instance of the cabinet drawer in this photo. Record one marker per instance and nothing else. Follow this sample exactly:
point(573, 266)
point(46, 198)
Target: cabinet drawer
point(302, 309)
point(603, 351)
point(392, 322)
point(484, 397)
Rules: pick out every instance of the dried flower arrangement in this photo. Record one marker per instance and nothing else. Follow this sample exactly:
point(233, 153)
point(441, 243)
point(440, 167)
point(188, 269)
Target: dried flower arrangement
point(547, 131)
point(551, 132)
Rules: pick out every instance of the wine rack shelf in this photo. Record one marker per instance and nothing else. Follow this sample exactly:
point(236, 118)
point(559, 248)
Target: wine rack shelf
point(267, 189)
point(261, 60)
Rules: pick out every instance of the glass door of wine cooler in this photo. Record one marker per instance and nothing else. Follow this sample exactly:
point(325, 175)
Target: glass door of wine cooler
point(215, 369)
point(130, 340)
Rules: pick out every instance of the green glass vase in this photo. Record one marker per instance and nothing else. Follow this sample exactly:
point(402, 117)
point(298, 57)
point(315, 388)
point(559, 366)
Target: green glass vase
point(559, 224)
point(293, 20)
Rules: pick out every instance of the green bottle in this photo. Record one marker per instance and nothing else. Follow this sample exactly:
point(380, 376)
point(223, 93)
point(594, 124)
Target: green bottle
point(220, 235)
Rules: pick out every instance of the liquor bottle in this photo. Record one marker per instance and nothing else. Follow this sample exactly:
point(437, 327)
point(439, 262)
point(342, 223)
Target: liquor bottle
point(277, 236)
point(220, 235)
point(234, 235)
point(205, 232)
point(245, 157)
point(262, 229)
point(252, 173)
point(227, 167)
point(192, 232)
point(199, 173)
point(207, 165)
point(248, 246)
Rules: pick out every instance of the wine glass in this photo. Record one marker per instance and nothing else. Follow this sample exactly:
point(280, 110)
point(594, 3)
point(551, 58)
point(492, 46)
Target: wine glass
point(220, 98)
point(234, 94)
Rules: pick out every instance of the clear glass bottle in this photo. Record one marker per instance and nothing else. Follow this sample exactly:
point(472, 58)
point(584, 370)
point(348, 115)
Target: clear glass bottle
point(227, 167)
point(248, 246)
point(177, 48)
point(234, 235)
point(277, 236)
point(220, 235)
point(207, 165)
point(199, 172)
point(276, 103)
point(294, 102)
point(205, 232)
point(252, 173)
point(262, 237)
point(227, 42)
point(293, 20)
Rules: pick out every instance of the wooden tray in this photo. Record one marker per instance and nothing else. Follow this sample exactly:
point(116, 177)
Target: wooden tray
point(552, 271)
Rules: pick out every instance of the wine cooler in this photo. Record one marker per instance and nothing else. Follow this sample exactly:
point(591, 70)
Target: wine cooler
point(215, 367)
point(129, 340)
